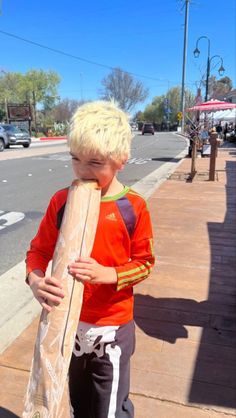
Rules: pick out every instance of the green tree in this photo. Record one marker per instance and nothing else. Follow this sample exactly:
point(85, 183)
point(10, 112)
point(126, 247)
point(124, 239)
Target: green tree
point(43, 86)
point(166, 107)
point(138, 116)
point(2, 113)
point(122, 87)
point(11, 87)
point(154, 112)
point(35, 86)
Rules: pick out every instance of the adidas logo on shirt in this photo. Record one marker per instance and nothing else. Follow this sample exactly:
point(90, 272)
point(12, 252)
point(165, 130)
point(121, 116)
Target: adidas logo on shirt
point(111, 216)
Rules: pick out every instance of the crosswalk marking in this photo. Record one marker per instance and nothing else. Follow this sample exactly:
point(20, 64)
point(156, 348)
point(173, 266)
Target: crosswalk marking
point(10, 218)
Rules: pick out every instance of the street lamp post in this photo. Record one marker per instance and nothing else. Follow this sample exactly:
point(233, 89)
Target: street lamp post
point(221, 70)
point(196, 53)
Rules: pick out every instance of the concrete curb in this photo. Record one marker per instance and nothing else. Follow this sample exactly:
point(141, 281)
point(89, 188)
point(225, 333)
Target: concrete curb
point(151, 182)
point(48, 139)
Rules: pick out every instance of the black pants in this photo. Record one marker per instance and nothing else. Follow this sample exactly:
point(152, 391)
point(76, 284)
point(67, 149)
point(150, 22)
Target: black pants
point(99, 374)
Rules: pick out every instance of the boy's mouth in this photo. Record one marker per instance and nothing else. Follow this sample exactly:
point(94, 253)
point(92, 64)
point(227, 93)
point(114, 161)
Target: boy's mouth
point(87, 179)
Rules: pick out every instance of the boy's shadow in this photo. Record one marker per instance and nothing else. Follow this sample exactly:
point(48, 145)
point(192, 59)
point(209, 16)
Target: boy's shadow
point(164, 318)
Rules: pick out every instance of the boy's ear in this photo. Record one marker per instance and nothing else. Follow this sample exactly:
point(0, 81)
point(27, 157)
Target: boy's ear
point(122, 163)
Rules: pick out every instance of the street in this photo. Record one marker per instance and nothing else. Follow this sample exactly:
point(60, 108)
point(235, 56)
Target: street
point(26, 184)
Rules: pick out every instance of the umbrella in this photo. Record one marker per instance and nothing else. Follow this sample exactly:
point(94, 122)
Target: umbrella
point(212, 105)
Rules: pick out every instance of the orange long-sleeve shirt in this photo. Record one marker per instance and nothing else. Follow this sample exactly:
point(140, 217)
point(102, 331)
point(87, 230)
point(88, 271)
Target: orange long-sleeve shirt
point(123, 240)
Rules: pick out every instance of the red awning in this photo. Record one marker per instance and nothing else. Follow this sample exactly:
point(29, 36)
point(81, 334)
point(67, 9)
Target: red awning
point(212, 105)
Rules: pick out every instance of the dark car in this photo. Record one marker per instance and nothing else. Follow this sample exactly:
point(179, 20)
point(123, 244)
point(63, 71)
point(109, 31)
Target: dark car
point(148, 128)
point(12, 135)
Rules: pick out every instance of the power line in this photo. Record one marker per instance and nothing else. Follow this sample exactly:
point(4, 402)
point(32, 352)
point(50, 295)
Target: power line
point(67, 54)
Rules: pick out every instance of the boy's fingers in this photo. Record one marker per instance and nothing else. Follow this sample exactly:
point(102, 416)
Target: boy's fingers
point(54, 281)
point(83, 278)
point(56, 300)
point(53, 290)
point(81, 270)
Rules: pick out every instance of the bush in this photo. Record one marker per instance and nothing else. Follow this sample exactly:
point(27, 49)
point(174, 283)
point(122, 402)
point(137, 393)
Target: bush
point(39, 134)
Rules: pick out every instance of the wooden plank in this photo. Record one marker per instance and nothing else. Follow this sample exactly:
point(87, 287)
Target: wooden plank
point(47, 387)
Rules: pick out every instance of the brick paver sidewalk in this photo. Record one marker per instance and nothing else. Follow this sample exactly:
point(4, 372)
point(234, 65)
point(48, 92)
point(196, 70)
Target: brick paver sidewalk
point(185, 360)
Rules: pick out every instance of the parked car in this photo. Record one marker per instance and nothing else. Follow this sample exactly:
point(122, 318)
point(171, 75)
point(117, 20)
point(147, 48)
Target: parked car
point(148, 128)
point(11, 135)
point(24, 130)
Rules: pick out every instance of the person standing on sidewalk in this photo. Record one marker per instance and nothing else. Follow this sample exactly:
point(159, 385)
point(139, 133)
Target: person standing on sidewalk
point(122, 256)
point(219, 130)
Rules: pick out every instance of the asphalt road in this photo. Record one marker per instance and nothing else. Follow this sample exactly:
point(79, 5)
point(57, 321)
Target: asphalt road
point(26, 184)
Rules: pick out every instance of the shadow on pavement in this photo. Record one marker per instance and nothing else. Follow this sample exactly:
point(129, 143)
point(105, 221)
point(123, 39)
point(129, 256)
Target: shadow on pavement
point(166, 318)
point(214, 376)
point(167, 159)
point(217, 363)
point(5, 413)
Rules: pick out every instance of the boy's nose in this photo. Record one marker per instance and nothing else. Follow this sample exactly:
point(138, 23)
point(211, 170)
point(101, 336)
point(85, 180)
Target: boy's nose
point(84, 173)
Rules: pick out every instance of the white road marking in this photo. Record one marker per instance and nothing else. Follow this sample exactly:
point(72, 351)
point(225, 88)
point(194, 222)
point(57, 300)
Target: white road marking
point(10, 218)
point(138, 160)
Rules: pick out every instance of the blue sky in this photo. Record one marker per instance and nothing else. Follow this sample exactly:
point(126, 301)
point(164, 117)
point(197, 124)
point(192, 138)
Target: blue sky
point(141, 37)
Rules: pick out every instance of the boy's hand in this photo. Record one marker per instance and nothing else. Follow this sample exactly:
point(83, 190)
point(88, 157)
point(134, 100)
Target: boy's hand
point(47, 290)
point(86, 269)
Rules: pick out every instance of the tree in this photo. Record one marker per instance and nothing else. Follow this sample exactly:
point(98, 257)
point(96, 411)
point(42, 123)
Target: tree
point(219, 88)
point(43, 86)
point(2, 113)
point(11, 88)
point(123, 88)
point(65, 109)
point(35, 86)
point(154, 112)
point(166, 107)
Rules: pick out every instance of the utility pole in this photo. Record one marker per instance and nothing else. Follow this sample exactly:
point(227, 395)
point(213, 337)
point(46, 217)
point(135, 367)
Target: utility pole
point(6, 110)
point(35, 111)
point(184, 64)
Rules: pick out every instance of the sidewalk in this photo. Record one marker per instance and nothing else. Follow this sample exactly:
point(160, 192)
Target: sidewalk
point(185, 360)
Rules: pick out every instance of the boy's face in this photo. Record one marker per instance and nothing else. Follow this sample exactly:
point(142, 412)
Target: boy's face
point(95, 167)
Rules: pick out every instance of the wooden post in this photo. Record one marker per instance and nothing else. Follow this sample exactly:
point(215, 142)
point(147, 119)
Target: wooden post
point(194, 154)
point(214, 146)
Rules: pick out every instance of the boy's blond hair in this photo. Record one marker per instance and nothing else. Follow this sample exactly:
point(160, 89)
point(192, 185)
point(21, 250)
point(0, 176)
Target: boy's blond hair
point(102, 128)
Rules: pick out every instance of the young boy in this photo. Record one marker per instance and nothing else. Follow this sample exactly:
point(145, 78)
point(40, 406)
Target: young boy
point(122, 256)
